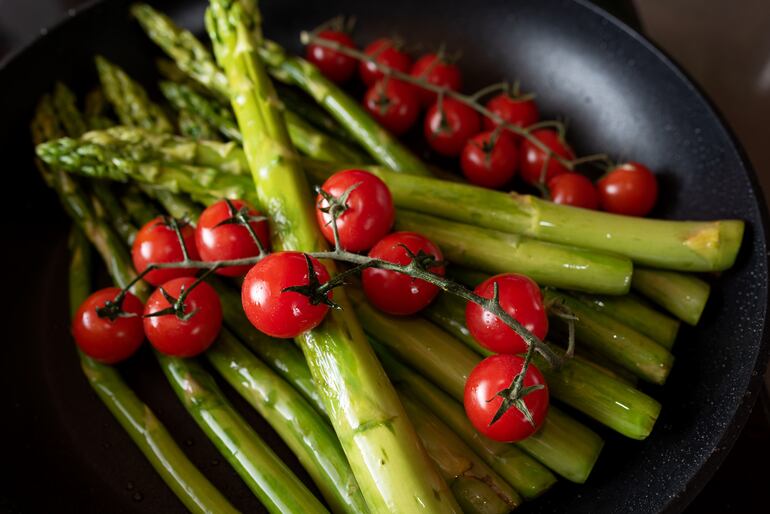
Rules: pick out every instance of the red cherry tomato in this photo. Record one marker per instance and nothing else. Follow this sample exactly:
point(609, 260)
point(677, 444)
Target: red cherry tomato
point(438, 72)
point(489, 159)
point(335, 65)
point(383, 51)
point(229, 241)
point(394, 292)
point(170, 334)
point(533, 158)
point(105, 340)
point(574, 189)
point(629, 189)
point(274, 311)
point(520, 297)
point(449, 128)
point(516, 111)
point(493, 375)
point(393, 104)
point(156, 242)
point(369, 215)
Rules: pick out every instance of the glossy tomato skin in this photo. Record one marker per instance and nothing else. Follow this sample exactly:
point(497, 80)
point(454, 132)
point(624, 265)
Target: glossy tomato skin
point(276, 312)
point(448, 128)
point(384, 51)
point(183, 338)
point(489, 159)
point(532, 157)
point(393, 104)
point(335, 65)
point(493, 375)
point(370, 213)
point(521, 298)
point(574, 189)
point(394, 292)
point(629, 189)
point(156, 242)
point(217, 242)
point(105, 340)
point(437, 71)
point(516, 111)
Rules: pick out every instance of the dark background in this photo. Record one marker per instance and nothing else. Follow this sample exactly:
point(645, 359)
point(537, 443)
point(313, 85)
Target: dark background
point(725, 47)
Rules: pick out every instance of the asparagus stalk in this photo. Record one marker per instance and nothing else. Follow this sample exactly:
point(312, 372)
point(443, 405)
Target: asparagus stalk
point(497, 252)
point(567, 447)
point(385, 454)
point(130, 100)
point(107, 206)
point(637, 314)
point(148, 433)
point(195, 127)
point(306, 108)
point(459, 464)
point(608, 337)
point(95, 110)
point(684, 296)
point(448, 363)
point(279, 490)
point(303, 429)
point(677, 245)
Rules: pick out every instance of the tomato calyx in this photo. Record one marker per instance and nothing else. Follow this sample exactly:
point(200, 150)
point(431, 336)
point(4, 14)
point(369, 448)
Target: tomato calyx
point(176, 305)
point(113, 309)
point(316, 292)
point(421, 261)
point(244, 218)
point(513, 397)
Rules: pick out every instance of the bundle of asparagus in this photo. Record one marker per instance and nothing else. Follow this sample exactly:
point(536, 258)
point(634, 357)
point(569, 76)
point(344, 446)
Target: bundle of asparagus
point(377, 424)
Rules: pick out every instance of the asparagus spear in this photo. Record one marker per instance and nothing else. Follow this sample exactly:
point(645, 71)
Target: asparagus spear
point(130, 100)
point(195, 127)
point(621, 344)
point(637, 314)
point(95, 110)
point(148, 433)
point(678, 245)
point(448, 363)
point(497, 252)
point(458, 463)
point(567, 447)
point(306, 108)
point(384, 452)
point(682, 295)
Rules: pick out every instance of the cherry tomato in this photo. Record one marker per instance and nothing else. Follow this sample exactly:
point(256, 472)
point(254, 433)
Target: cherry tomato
point(170, 334)
point(224, 242)
point(533, 158)
point(493, 375)
point(384, 51)
point(437, 71)
point(280, 313)
point(105, 340)
point(393, 104)
point(449, 128)
point(521, 111)
point(394, 292)
point(490, 159)
point(629, 189)
point(156, 242)
point(574, 189)
point(369, 214)
point(521, 299)
point(335, 65)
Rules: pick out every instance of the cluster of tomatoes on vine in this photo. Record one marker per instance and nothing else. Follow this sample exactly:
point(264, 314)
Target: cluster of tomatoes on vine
point(489, 155)
point(183, 316)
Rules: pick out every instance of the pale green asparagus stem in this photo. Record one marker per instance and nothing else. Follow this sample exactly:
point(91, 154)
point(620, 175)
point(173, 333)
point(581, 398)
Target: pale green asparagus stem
point(684, 296)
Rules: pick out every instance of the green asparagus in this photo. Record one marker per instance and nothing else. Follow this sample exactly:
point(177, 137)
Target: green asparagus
point(682, 295)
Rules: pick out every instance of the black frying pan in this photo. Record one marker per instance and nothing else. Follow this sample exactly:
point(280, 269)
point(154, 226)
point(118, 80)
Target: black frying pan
point(63, 451)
